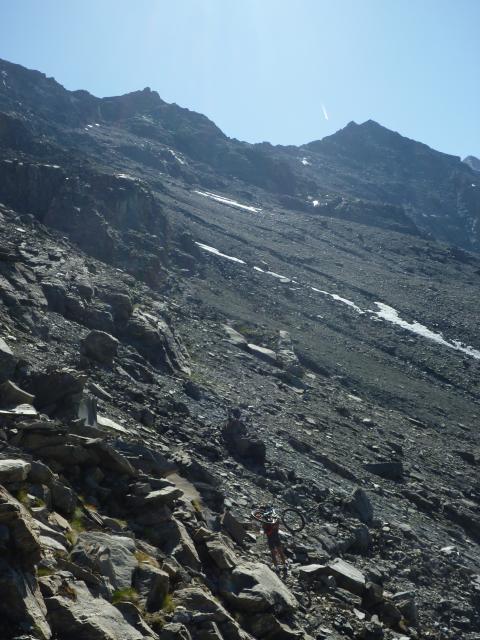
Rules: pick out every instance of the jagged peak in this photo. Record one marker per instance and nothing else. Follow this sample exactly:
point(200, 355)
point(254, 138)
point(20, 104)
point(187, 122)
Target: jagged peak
point(142, 99)
point(473, 162)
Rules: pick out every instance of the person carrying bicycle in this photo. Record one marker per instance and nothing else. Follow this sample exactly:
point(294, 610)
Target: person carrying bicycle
point(271, 528)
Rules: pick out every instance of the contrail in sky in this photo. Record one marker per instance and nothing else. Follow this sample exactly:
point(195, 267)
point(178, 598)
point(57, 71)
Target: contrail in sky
point(324, 112)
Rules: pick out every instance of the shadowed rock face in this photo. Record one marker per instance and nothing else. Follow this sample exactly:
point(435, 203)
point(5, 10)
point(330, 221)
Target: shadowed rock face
point(154, 274)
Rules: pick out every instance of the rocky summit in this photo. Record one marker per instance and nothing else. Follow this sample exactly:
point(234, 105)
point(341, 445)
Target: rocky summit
point(156, 275)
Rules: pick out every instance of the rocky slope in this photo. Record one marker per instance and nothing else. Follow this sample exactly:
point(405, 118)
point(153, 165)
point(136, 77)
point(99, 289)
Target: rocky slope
point(153, 274)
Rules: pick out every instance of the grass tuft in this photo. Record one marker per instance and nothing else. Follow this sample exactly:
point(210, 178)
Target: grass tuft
point(141, 556)
point(168, 604)
point(125, 595)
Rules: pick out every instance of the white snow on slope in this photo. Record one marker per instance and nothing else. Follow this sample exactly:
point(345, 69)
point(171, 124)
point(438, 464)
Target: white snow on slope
point(218, 253)
point(305, 162)
point(389, 314)
point(275, 275)
point(349, 303)
point(227, 201)
point(177, 158)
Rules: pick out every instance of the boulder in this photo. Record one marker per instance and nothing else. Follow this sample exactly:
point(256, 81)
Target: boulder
point(13, 471)
point(405, 602)
point(266, 625)
point(58, 390)
point(392, 470)
point(347, 576)
point(267, 355)
point(63, 498)
point(8, 361)
point(40, 473)
point(21, 604)
point(12, 396)
point(361, 505)
point(240, 442)
point(221, 555)
point(109, 554)
point(172, 537)
point(234, 337)
point(286, 356)
point(254, 587)
point(73, 612)
point(23, 530)
point(311, 572)
point(165, 496)
point(131, 614)
point(121, 305)
point(197, 600)
point(154, 339)
point(100, 346)
point(234, 527)
point(109, 458)
point(152, 585)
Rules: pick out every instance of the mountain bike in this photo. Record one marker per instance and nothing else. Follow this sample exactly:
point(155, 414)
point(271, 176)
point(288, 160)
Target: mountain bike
point(292, 519)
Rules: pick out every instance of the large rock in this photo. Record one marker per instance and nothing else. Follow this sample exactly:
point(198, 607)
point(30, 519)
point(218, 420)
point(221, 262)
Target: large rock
point(234, 337)
point(13, 471)
point(108, 554)
point(109, 458)
point(154, 339)
point(152, 585)
point(254, 587)
point(392, 470)
point(40, 473)
point(8, 361)
point(197, 600)
point(234, 527)
point(63, 498)
point(221, 555)
point(58, 390)
point(203, 607)
point(21, 604)
point(160, 497)
point(241, 443)
point(73, 612)
point(361, 505)
point(347, 576)
point(24, 540)
point(100, 346)
point(173, 539)
point(286, 356)
point(12, 396)
point(266, 625)
point(267, 355)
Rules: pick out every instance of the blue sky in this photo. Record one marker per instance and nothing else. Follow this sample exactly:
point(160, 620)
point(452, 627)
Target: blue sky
point(286, 71)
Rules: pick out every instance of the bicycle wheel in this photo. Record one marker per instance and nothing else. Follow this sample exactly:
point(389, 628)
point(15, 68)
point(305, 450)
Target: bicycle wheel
point(259, 514)
point(293, 520)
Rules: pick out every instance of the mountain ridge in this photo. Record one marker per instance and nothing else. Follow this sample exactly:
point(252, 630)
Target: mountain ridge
point(366, 161)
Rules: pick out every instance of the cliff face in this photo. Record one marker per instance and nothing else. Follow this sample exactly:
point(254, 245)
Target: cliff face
point(153, 275)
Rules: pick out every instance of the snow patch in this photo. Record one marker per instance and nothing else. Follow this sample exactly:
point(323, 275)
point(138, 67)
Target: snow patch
point(177, 157)
point(338, 298)
point(316, 203)
point(218, 253)
point(389, 314)
point(227, 201)
point(275, 275)
point(305, 162)
point(125, 176)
